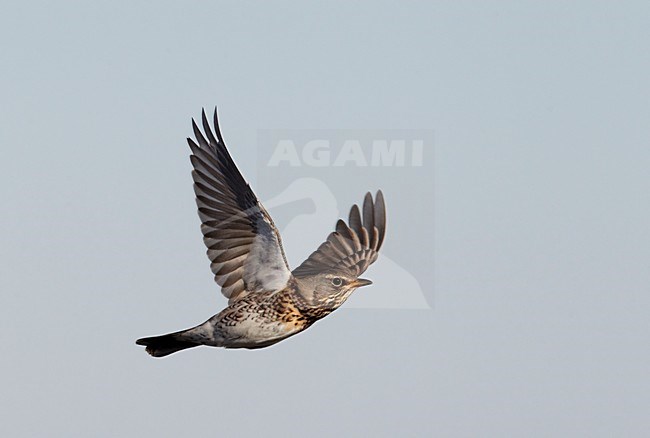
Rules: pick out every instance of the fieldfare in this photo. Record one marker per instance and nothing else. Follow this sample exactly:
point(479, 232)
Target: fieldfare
point(267, 302)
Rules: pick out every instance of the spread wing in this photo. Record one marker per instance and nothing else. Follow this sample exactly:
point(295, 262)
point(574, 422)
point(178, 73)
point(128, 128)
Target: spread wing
point(353, 246)
point(244, 247)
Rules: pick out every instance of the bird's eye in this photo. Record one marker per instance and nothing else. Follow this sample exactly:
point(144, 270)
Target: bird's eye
point(336, 281)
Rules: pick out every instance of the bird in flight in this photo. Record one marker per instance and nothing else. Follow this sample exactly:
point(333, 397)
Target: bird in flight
point(267, 302)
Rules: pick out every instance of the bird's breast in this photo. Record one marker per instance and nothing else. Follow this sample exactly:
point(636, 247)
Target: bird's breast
point(256, 321)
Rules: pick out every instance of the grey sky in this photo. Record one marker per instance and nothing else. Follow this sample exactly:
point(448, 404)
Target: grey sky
point(540, 216)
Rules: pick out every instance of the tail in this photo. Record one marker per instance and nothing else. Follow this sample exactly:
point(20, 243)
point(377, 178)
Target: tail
point(160, 346)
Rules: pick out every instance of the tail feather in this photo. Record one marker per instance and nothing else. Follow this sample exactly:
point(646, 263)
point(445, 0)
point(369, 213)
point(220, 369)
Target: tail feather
point(160, 346)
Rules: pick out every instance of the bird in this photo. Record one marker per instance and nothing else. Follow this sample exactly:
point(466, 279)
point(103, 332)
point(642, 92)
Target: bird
point(267, 301)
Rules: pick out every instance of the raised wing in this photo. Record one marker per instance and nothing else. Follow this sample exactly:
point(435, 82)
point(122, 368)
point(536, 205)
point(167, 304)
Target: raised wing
point(353, 246)
point(244, 247)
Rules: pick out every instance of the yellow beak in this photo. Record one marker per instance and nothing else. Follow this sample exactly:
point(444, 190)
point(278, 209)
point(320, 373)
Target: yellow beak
point(361, 282)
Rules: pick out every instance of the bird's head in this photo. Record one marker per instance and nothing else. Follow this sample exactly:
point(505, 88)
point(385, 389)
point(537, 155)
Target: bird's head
point(328, 291)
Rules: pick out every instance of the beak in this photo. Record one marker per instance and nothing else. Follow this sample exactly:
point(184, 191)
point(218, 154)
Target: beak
point(361, 282)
